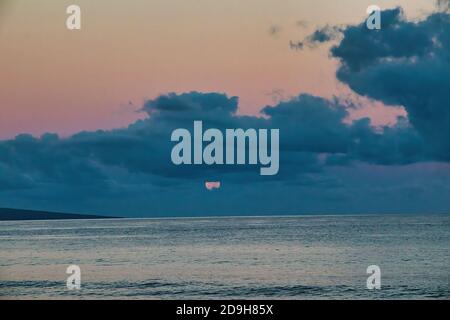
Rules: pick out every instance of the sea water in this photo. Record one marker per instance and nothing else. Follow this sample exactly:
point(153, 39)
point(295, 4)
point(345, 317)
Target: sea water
point(305, 257)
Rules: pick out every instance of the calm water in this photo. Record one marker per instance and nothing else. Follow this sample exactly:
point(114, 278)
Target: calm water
point(275, 258)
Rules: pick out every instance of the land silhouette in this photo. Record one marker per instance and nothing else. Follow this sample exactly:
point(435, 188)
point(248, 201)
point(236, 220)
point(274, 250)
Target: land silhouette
point(7, 214)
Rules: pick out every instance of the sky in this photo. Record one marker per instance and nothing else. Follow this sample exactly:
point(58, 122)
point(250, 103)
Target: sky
point(61, 81)
point(363, 117)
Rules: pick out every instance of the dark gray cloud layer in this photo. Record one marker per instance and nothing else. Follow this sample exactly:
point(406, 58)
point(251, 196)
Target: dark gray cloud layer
point(310, 127)
point(134, 163)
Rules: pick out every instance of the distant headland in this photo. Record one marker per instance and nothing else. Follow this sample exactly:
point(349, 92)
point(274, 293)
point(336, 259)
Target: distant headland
point(18, 214)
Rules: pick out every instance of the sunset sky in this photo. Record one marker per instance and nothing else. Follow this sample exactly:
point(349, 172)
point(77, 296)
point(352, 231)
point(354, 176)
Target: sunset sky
point(364, 116)
point(65, 81)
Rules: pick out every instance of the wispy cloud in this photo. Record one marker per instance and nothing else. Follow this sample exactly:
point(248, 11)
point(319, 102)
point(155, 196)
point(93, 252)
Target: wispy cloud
point(322, 35)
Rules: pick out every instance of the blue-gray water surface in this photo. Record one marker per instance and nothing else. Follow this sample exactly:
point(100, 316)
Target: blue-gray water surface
point(306, 257)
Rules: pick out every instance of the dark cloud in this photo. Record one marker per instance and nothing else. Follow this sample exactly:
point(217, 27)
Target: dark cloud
point(145, 147)
point(398, 145)
point(310, 124)
point(407, 64)
point(193, 102)
point(129, 171)
point(322, 35)
point(311, 128)
point(397, 39)
point(404, 64)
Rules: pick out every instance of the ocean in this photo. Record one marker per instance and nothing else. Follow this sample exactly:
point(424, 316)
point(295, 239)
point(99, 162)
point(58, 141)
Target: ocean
point(304, 257)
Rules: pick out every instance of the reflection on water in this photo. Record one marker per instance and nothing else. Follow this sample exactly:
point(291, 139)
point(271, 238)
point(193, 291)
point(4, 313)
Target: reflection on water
point(273, 257)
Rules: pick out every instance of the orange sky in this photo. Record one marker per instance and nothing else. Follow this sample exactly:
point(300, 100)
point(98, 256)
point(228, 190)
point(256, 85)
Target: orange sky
point(57, 80)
